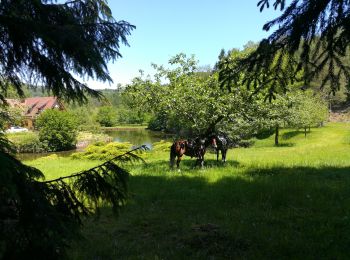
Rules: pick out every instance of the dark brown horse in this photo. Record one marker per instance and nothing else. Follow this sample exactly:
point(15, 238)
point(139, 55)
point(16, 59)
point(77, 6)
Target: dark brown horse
point(221, 141)
point(194, 148)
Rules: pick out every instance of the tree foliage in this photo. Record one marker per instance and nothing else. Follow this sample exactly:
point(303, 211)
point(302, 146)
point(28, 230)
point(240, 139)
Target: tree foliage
point(58, 129)
point(284, 109)
point(189, 104)
point(10, 116)
point(106, 116)
point(295, 109)
point(185, 101)
point(311, 36)
point(45, 42)
point(310, 110)
point(112, 110)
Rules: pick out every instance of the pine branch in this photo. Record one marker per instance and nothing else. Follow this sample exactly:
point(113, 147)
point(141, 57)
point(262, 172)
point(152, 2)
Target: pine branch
point(119, 157)
point(312, 35)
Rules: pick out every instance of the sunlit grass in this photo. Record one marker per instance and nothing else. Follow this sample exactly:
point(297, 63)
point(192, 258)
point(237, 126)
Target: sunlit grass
point(56, 166)
point(291, 201)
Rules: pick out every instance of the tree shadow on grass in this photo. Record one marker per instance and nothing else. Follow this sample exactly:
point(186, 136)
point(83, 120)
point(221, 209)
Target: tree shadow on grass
point(189, 163)
point(211, 163)
point(281, 212)
point(285, 145)
point(291, 134)
point(324, 173)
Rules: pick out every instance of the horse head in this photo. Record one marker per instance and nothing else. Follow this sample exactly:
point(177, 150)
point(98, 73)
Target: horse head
point(211, 141)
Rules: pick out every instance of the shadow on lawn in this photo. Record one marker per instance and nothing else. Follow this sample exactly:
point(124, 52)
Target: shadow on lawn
point(276, 213)
point(188, 163)
point(291, 134)
point(285, 145)
point(208, 163)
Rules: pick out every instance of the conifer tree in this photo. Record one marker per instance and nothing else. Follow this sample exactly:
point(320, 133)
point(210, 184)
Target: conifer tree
point(49, 43)
point(312, 36)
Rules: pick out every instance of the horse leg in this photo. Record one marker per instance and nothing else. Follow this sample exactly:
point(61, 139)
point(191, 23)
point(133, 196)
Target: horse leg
point(178, 161)
point(199, 162)
point(217, 155)
point(224, 152)
point(172, 158)
point(172, 162)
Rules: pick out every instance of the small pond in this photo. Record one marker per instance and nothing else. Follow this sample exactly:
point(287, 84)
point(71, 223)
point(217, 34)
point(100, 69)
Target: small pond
point(136, 136)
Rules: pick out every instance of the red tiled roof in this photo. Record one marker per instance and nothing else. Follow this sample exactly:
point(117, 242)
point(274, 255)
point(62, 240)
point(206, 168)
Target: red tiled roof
point(37, 104)
point(33, 106)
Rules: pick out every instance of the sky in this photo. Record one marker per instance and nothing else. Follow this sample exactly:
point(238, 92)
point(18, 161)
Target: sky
point(165, 28)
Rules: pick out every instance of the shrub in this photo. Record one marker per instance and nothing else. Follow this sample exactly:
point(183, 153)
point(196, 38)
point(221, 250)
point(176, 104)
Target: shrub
point(161, 146)
point(102, 151)
point(106, 116)
point(158, 122)
point(58, 129)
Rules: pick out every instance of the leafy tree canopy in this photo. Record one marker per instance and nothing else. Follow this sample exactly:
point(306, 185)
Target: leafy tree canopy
point(106, 116)
point(293, 108)
point(58, 129)
point(191, 103)
point(186, 103)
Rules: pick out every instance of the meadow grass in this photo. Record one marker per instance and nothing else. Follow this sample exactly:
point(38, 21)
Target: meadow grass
point(291, 201)
point(55, 166)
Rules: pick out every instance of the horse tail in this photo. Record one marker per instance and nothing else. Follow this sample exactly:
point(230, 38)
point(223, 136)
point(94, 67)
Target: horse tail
point(172, 156)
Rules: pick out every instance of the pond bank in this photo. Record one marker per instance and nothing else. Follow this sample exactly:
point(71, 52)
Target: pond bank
point(124, 128)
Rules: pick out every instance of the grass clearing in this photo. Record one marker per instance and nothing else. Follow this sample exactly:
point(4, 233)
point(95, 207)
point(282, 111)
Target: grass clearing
point(291, 201)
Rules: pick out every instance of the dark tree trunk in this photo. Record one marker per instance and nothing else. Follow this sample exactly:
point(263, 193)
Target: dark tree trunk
point(211, 127)
point(305, 131)
point(277, 130)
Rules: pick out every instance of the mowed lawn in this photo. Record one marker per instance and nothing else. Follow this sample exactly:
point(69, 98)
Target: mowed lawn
point(291, 201)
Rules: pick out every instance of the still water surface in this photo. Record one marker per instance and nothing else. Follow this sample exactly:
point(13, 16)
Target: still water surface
point(138, 136)
point(135, 136)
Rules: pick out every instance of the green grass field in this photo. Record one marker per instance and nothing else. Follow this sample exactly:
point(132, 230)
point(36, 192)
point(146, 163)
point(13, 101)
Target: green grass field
point(291, 201)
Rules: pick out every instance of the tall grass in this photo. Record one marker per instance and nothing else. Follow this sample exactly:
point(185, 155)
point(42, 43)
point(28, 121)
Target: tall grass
point(291, 201)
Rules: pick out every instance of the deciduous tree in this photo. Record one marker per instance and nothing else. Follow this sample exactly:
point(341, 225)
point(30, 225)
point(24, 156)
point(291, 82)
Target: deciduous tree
point(58, 129)
point(106, 116)
point(186, 103)
point(309, 110)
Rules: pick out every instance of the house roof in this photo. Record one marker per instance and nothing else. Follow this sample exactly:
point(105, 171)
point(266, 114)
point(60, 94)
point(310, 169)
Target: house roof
point(35, 105)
